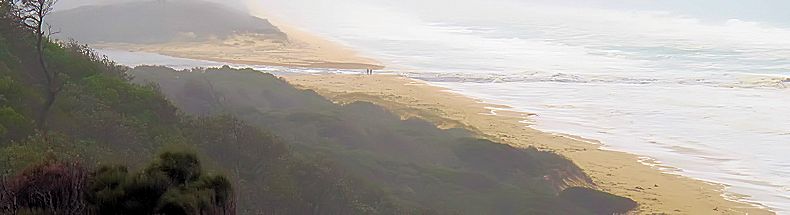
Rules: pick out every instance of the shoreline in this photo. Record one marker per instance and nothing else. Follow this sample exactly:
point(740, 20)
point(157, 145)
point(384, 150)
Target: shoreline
point(299, 50)
point(621, 173)
point(634, 176)
point(694, 195)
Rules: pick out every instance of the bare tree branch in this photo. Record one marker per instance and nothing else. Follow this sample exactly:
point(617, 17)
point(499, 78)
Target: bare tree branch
point(32, 14)
point(50, 32)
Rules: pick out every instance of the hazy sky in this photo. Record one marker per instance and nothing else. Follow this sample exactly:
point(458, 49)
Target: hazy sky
point(564, 28)
point(769, 11)
point(776, 12)
point(69, 4)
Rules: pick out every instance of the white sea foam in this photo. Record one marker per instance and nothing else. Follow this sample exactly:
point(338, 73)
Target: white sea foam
point(705, 98)
point(699, 98)
point(735, 136)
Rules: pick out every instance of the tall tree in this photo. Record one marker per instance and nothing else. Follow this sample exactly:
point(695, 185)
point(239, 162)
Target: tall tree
point(32, 14)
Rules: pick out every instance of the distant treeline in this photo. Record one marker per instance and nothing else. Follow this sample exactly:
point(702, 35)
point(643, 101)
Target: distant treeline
point(152, 21)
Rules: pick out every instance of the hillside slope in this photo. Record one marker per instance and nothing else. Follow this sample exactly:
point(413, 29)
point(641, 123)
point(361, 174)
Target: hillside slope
point(449, 171)
point(101, 118)
point(146, 22)
point(293, 152)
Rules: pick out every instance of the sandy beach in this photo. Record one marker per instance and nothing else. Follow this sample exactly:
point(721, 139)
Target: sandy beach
point(300, 50)
point(615, 172)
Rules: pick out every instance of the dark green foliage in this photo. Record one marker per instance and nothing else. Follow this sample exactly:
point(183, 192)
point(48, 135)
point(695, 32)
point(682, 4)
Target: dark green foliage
point(16, 156)
point(143, 192)
point(220, 186)
point(325, 158)
point(106, 190)
point(272, 180)
point(173, 184)
point(423, 167)
point(54, 187)
point(13, 125)
point(597, 201)
point(100, 117)
point(181, 168)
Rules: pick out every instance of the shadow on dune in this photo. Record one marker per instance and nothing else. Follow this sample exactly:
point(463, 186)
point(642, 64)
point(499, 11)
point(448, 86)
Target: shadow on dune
point(420, 165)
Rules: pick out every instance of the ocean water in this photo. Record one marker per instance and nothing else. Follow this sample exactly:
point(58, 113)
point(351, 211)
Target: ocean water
point(704, 95)
point(704, 91)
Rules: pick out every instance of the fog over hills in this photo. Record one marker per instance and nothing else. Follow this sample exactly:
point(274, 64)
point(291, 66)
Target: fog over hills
point(71, 4)
point(157, 22)
point(419, 165)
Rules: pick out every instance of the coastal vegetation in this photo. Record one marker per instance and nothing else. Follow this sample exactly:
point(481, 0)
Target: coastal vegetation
point(153, 140)
point(175, 183)
point(415, 162)
point(154, 22)
point(101, 118)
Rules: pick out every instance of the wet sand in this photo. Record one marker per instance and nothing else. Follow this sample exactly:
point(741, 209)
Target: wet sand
point(299, 50)
point(616, 172)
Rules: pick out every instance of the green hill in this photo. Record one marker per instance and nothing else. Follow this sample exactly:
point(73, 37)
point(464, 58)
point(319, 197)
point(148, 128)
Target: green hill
point(421, 165)
point(157, 22)
point(101, 119)
point(281, 149)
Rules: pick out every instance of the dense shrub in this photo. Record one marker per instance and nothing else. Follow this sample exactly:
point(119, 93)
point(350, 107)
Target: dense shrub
point(299, 154)
point(48, 188)
point(13, 125)
point(173, 184)
point(419, 166)
point(597, 201)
